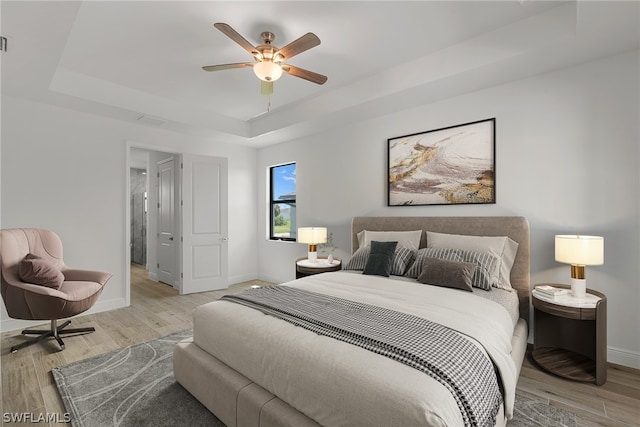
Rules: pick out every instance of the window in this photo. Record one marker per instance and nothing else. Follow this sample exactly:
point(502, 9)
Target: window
point(282, 202)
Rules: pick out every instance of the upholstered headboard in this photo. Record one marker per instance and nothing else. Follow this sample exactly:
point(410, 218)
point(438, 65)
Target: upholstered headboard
point(517, 228)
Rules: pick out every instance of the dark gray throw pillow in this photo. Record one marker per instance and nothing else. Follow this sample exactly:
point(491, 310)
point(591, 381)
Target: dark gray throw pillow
point(402, 259)
point(450, 274)
point(484, 262)
point(380, 258)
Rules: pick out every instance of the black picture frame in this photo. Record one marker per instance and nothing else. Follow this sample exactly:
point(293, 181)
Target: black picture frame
point(447, 166)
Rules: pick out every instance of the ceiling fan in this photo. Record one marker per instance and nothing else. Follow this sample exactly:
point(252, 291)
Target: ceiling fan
point(269, 59)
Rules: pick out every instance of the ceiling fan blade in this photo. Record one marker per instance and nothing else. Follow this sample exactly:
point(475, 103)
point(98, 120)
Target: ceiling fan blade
point(304, 74)
point(228, 66)
point(236, 37)
point(299, 45)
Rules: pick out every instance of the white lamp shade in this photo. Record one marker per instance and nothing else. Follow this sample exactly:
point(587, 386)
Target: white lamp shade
point(312, 235)
point(267, 71)
point(580, 250)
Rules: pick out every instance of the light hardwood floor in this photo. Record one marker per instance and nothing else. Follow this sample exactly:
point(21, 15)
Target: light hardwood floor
point(157, 309)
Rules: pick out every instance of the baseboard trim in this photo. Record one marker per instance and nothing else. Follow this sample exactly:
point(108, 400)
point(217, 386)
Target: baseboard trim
point(623, 357)
point(269, 279)
point(100, 306)
point(232, 280)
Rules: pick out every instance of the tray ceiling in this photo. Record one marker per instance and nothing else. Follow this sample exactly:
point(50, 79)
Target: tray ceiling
point(128, 59)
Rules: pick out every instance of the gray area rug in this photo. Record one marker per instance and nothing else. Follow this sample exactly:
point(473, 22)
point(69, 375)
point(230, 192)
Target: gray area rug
point(536, 413)
point(134, 386)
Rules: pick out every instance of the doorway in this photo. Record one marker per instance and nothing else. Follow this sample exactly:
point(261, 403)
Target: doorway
point(205, 246)
point(144, 202)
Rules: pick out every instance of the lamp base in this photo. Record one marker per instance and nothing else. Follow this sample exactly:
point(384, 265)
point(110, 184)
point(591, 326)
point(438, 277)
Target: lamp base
point(312, 256)
point(579, 287)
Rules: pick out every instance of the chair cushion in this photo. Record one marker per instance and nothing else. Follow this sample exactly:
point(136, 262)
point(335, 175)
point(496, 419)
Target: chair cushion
point(40, 271)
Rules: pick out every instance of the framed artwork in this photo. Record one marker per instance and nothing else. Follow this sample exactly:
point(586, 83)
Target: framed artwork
point(447, 166)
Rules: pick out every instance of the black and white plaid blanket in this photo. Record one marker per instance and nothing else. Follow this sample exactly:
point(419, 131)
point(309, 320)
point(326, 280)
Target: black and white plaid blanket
point(442, 353)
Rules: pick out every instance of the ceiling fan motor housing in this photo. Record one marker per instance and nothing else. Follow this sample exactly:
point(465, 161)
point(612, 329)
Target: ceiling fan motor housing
point(267, 37)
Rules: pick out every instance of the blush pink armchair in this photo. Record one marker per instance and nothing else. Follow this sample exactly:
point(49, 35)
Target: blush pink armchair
point(76, 291)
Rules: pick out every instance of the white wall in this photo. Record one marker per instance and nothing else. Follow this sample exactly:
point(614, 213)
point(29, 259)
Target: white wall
point(567, 158)
point(64, 170)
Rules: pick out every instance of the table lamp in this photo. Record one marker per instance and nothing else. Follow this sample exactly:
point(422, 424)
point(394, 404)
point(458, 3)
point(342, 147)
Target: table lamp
point(579, 251)
point(312, 236)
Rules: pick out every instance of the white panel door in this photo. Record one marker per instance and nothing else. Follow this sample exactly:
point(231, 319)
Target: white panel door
point(167, 254)
point(204, 223)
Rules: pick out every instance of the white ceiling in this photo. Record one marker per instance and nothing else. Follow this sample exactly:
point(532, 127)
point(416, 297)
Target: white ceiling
point(124, 59)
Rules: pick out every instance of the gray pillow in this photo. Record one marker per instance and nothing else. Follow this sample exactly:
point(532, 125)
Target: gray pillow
point(380, 258)
point(402, 259)
point(39, 271)
point(359, 259)
point(501, 246)
point(450, 274)
point(439, 253)
point(485, 263)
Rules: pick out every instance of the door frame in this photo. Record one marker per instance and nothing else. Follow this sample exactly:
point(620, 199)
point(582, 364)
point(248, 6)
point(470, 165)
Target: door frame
point(129, 144)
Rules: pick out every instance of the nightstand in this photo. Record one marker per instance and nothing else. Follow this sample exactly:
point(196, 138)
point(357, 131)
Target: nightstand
point(305, 268)
point(570, 335)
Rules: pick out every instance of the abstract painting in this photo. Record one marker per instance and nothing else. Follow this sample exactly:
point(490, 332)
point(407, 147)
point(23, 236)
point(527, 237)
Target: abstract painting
point(447, 166)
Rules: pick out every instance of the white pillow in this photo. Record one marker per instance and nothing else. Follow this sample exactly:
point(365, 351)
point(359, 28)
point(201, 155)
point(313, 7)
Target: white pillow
point(501, 246)
point(405, 239)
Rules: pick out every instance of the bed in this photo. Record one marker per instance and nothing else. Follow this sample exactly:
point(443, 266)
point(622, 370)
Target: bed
point(254, 369)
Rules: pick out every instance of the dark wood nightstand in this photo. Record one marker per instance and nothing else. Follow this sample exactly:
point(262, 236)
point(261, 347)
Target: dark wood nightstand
point(305, 268)
point(570, 335)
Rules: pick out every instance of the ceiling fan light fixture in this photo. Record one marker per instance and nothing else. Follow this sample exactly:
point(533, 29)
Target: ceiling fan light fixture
point(267, 71)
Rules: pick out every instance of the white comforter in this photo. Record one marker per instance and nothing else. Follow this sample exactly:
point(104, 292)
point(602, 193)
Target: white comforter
point(338, 384)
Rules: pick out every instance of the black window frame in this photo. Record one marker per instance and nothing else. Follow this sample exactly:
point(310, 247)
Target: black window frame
point(273, 202)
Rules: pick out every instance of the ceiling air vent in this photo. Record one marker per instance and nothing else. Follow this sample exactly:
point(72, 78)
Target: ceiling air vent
point(150, 120)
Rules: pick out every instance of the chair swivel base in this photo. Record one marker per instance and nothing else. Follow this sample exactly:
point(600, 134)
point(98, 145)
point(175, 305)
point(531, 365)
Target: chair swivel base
point(54, 332)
